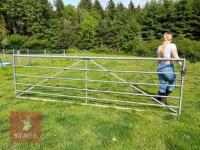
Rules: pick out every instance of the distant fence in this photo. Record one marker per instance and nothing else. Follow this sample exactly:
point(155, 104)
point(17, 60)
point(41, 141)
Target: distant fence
point(28, 83)
point(31, 51)
point(6, 53)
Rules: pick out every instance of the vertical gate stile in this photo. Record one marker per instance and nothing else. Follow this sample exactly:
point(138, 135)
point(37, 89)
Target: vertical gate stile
point(86, 82)
point(29, 58)
point(181, 88)
point(14, 75)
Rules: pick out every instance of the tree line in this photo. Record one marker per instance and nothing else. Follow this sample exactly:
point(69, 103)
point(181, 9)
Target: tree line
point(37, 24)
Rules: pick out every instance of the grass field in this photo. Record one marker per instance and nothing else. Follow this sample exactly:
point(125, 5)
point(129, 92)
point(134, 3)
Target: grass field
point(74, 126)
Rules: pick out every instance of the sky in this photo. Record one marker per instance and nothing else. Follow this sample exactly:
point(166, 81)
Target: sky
point(104, 2)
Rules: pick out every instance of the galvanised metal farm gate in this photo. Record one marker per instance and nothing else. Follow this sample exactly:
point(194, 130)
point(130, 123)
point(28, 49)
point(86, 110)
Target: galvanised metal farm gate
point(32, 88)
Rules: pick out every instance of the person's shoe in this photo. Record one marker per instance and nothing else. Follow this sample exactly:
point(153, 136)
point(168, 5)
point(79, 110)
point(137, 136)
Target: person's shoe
point(162, 99)
point(168, 92)
point(158, 98)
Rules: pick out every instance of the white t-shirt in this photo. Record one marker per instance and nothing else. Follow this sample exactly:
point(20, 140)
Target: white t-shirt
point(168, 50)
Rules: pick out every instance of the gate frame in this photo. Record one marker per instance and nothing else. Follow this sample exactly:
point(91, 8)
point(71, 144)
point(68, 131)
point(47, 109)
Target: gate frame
point(102, 69)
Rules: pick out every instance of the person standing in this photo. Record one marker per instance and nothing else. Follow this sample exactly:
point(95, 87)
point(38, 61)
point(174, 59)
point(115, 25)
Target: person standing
point(166, 72)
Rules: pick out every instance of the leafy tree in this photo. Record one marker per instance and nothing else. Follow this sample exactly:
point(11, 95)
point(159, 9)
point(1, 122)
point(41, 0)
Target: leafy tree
point(26, 17)
point(54, 25)
point(2, 8)
point(71, 14)
point(65, 38)
point(39, 16)
point(3, 31)
point(35, 44)
point(14, 41)
point(88, 27)
point(11, 16)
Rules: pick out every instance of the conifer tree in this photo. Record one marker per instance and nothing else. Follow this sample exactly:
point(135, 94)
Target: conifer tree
point(97, 7)
point(85, 5)
point(59, 7)
point(111, 9)
point(131, 8)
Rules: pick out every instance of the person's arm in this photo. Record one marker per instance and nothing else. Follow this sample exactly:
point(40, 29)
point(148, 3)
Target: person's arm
point(158, 54)
point(175, 54)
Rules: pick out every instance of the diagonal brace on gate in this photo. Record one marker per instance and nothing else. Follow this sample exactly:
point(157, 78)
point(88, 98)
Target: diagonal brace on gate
point(133, 86)
point(45, 80)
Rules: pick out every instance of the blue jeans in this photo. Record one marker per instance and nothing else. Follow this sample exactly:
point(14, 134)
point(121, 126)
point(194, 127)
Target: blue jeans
point(167, 78)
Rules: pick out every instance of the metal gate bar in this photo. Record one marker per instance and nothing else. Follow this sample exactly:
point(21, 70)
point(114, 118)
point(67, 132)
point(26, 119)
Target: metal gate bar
point(77, 79)
point(100, 91)
point(102, 99)
point(95, 70)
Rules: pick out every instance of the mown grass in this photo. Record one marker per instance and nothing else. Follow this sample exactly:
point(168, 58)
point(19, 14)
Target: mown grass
point(74, 126)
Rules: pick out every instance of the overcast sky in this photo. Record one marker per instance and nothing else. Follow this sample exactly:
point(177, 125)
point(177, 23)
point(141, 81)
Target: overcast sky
point(104, 2)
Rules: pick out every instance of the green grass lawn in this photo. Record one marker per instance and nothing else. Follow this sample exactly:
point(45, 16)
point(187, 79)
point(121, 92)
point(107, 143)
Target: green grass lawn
point(75, 126)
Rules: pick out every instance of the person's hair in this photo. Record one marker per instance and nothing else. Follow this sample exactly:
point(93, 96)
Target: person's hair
point(164, 44)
